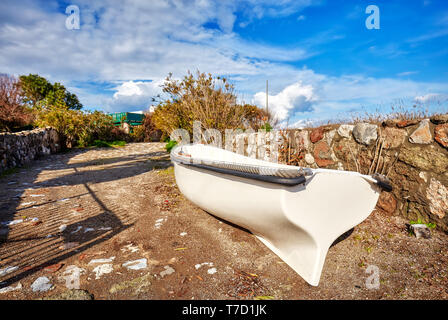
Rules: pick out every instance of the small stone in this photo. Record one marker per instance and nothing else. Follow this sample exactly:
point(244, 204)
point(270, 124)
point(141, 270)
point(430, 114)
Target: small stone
point(406, 123)
point(345, 130)
point(316, 134)
point(11, 288)
point(437, 194)
point(329, 135)
point(104, 260)
point(365, 133)
point(211, 271)
point(302, 139)
point(103, 269)
point(423, 175)
point(393, 137)
point(7, 270)
point(54, 267)
point(309, 159)
point(441, 134)
point(387, 202)
point(422, 135)
point(130, 247)
point(135, 264)
point(421, 231)
point(168, 270)
point(322, 154)
point(71, 276)
point(41, 284)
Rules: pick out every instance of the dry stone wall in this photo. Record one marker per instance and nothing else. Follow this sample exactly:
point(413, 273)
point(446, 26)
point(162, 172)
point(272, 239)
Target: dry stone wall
point(17, 149)
point(413, 154)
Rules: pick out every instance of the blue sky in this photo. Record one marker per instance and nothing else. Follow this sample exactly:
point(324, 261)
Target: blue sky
point(321, 61)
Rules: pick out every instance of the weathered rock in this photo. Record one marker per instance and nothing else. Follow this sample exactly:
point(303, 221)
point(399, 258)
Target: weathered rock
point(316, 134)
point(387, 202)
point(309, 158)
point(424, 158)
point(389, 123)
point(10, 288)
point(71, 276)
point(406, 123)
point(322, 154)
point(439, 119)
point(136, 264)
point(345, 130)
point(441, 134)
point(329, 135)
point(365, 133)
point(393, 137)
point(136, 285)
point(437, 194)
point(302, 139)
point(41, 284)
point(54, 267)
point(421, 231)
point(422, 135)
point(73, 294)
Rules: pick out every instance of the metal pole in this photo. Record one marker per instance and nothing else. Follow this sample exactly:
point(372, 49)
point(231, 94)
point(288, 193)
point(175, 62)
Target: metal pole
point(267, 108)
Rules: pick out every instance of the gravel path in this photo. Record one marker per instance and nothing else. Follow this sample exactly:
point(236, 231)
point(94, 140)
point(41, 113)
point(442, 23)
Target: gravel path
point(111, 222)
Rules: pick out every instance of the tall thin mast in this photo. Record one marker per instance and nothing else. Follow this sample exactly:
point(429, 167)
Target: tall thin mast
point(267, 104)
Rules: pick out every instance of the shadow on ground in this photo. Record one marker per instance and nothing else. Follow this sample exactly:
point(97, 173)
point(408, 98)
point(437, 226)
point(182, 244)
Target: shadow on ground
point(29, 244)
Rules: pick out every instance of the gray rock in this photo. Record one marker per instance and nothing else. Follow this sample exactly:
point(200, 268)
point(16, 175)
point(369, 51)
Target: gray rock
point(365, 133)
point(421, 231)
point(309, 158)
point(345, 130)
point(41, 284)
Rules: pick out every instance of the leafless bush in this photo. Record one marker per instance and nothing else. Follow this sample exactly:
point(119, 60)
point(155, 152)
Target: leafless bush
point(12, 112)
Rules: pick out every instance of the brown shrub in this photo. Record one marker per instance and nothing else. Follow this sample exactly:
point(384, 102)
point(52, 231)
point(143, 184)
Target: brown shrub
point(13, 114)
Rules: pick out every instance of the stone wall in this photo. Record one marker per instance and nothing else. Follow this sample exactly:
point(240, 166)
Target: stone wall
point(412, 154)
point(17, 149)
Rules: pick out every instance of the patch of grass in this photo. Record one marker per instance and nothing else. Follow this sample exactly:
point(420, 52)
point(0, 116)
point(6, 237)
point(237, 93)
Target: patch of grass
point(419, 221)
point(170, 145)
point(9, 171)
point(106, 144)
point(167, 172)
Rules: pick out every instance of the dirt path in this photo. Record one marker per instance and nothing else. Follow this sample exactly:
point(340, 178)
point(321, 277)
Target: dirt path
point(112, 222)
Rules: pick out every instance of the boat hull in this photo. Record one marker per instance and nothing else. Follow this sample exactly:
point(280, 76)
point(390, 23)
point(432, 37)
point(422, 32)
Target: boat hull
point(298, 223)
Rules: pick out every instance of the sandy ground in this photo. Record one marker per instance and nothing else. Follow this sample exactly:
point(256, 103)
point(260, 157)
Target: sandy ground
point(112, 222)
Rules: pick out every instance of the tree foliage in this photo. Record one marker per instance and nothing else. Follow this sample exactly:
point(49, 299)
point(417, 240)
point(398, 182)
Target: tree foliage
point(76, 127)
point(212, 101)
point(39, 93)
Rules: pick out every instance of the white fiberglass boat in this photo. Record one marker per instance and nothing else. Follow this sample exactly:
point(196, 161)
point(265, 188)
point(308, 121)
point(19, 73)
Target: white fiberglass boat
point(296, 212)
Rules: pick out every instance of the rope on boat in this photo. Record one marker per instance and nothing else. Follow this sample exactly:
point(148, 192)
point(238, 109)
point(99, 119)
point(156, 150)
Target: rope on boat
point(182, 157)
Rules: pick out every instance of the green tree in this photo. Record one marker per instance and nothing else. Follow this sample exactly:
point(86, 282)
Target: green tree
point(39, 93)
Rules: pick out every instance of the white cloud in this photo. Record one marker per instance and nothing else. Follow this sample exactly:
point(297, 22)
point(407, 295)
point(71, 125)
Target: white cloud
point(309, 95)
point(294, 98)
point(134, 95)
point(406, 73)
point(431, 97)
